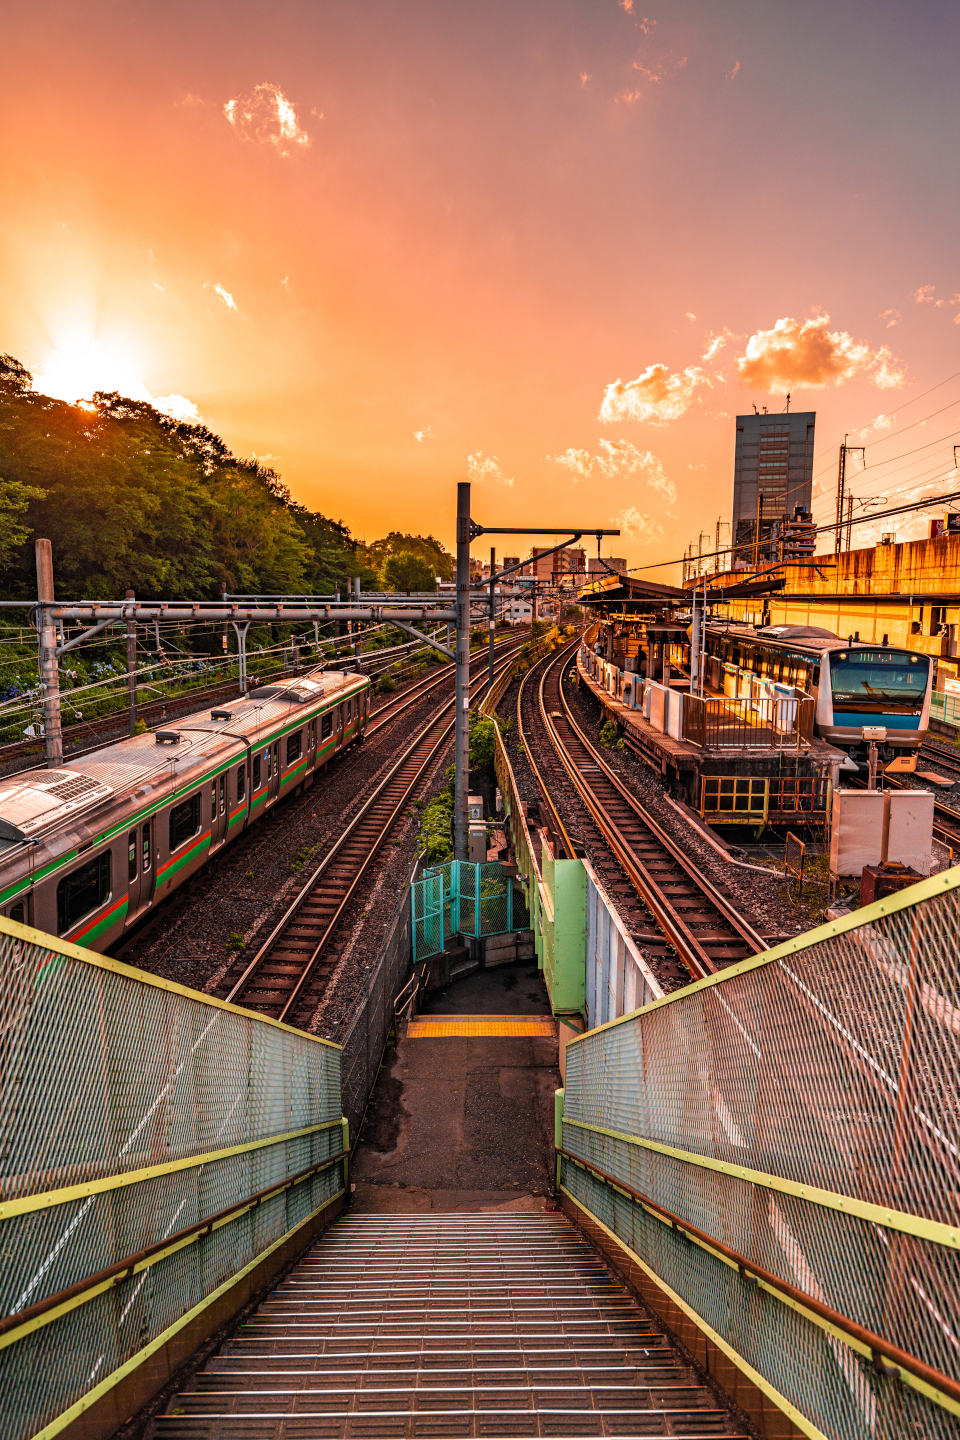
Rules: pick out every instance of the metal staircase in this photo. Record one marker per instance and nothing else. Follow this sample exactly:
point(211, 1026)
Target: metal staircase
point(501, 1324)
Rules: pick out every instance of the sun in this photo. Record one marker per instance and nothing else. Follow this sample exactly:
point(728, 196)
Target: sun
point(82, 364)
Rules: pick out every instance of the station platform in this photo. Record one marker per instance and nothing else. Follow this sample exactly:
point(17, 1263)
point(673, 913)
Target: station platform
point(753, 778)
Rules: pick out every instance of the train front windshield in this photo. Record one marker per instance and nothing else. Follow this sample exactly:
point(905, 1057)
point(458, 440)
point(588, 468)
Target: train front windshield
point(878, 682)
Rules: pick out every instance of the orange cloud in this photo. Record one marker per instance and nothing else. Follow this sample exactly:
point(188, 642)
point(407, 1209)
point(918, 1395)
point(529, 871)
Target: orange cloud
point(482, 467)
point(890, 318)
point(735, 71)
point(809, 353)
point(268, 117)
point(657, 396)
point(618, 460)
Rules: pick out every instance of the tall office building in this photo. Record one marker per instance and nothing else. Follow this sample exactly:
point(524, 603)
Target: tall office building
point(773, 474)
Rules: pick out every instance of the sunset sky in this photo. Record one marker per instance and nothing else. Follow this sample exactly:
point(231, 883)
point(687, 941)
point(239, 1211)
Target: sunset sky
point(554, 247)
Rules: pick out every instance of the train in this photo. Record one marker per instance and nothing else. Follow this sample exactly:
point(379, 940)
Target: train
point(855, 685)
point(90, 847)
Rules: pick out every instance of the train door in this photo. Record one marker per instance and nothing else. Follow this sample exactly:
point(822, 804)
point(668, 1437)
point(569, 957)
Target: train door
point(140, 867)
point(218, 810)
point(273, 771)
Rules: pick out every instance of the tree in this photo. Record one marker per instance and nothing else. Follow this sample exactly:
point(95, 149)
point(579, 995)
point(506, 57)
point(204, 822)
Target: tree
point(405, 571)
point(130, 497)
point(425, 546)
point(15, 499)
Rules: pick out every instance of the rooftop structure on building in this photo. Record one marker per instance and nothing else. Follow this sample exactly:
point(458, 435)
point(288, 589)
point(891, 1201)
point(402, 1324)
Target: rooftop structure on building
point(773, 475)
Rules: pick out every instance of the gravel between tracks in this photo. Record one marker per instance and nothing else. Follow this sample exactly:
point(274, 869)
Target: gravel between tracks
point(195, 935)
point(762, 900)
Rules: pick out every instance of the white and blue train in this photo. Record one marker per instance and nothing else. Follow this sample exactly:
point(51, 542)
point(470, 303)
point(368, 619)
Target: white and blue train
point(855, 685)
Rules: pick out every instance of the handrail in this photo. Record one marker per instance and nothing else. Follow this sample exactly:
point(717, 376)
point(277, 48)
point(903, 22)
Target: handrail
point(862, 1338)
point(52, 1306)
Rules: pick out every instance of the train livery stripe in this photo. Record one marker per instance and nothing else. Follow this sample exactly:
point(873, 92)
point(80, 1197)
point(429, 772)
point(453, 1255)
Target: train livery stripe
point(100, 922)
point(289, 774)
point(202, 842)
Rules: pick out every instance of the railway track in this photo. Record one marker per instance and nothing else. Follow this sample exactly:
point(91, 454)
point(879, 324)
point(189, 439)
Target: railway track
point(693, 918)
point(287, 974)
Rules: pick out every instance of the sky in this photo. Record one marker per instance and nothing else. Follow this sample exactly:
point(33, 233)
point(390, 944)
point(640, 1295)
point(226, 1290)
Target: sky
point(551, 246)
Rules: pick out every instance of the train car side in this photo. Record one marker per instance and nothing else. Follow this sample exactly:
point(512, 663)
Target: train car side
point(92, 873)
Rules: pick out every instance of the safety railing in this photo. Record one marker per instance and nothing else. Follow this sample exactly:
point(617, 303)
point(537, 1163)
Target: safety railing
point(778, 1148)
point(762, 799)
point(748, 723)
point(156, 1146)
point(945, 708)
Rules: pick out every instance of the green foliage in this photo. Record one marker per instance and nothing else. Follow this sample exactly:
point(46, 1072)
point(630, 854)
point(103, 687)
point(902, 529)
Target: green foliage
point(402, 570)
point(132, 498)
point(608, 734)
point(15, 498)
point(424, 547)
point(436, 827)
point(482, 741)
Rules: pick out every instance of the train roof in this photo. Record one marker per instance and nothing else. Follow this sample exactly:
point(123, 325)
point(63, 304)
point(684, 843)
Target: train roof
point(35, 802)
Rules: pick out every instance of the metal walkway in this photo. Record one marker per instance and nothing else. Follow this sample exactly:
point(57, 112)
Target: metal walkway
point(492, 1324)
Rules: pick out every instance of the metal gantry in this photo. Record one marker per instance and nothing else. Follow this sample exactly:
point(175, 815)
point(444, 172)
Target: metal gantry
point(408, 612)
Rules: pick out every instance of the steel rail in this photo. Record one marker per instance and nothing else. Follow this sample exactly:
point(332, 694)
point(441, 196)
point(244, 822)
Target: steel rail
point(332, 884)
point(694, 953)
point(528, 750)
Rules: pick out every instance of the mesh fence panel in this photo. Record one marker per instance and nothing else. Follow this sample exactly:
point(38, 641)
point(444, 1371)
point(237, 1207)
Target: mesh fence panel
point(832, 1066)
point(103, 1073)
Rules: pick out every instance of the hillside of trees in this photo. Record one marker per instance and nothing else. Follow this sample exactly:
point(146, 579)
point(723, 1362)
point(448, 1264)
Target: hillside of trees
point(131, 498)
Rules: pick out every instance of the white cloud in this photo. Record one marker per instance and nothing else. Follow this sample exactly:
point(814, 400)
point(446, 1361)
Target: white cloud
point(224, 295)
point(716, 342)
point(810, 354)
point(617, 460)
point(482, 467)
point(266, 116)
point(690, 316)
point(637, 525)
point(425, 434)
point(657, 396)
point(178, 407)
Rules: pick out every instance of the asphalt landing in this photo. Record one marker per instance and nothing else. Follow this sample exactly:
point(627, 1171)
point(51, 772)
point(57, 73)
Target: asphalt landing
point(461, 1117)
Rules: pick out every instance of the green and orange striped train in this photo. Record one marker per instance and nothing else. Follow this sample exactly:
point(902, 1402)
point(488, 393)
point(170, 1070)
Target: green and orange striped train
point(86, 849)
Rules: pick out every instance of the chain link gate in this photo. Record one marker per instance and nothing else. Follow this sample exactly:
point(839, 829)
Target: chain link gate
point(464, 898)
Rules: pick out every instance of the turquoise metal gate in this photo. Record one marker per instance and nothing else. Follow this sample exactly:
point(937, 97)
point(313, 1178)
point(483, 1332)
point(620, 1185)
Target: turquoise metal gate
point(463, 898)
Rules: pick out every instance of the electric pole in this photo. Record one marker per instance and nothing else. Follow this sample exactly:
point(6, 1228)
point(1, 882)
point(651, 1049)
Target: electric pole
point(132, 667)
point(845, 450)
point(49, 670)
point(461, 726)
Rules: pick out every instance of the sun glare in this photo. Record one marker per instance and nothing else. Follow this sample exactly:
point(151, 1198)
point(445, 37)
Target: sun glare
point(79, 366)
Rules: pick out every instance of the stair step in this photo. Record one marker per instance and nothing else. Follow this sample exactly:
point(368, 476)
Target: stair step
point(448, 1327)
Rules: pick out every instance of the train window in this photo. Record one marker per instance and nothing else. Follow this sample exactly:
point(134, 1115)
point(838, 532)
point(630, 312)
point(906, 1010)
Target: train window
point(83, 891)
point(294, 746)
point(132, 861)
point(256, 772)
point(326, 725)
point(213, 799)
point(223, 793)
point(241, 781)
point(146, 857)
point(185, 821)
point(268, 756)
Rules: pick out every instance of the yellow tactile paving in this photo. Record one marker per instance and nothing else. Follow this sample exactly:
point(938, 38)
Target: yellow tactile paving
point(478, 1025)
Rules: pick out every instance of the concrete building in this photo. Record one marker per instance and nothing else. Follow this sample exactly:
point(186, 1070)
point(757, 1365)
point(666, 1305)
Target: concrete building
point(550, 567)
point(596, 569)
point(772, 475)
